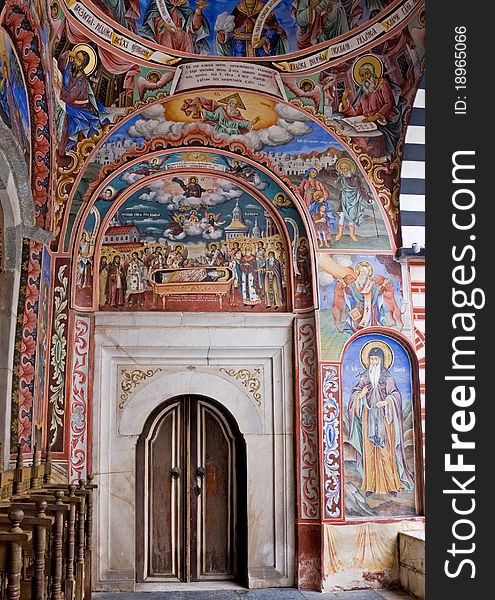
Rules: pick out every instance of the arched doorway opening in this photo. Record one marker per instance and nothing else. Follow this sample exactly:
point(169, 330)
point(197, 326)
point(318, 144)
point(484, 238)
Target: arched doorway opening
point(191, 517)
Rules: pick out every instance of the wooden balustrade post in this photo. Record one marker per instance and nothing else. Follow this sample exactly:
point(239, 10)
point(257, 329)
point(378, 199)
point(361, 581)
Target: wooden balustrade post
point(81, 517)
point(19, 464)
point(57, 556)
point(39, 549)
point(47, 475)
point(88, 570)
point(35, 470)
point(14, 557)
point(69, 575)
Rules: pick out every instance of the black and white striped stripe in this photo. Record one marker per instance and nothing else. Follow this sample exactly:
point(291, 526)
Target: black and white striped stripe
point(412, 187)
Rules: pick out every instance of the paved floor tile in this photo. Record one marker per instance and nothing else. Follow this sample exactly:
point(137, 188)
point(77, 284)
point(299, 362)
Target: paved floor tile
point(266, 594)
point(318, 595)
point(358, 595)
point(271, 594)
point(218, 595)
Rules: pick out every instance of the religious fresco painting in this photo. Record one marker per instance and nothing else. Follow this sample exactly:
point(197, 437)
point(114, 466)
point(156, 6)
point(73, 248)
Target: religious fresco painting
point(14, 106)
point(343, 212)
point(230, 28)
point(236, 156)
point(378, 428)
point(356, 292)
point(188, 243)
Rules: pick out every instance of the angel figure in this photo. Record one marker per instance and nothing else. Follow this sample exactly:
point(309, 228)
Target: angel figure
point(175, 228)
point(214, 219)
point(192, 189)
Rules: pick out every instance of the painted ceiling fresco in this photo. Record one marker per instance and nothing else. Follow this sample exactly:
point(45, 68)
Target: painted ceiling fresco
point(247, 29)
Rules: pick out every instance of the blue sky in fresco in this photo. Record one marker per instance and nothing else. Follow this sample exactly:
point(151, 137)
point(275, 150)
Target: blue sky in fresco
point(318, 140)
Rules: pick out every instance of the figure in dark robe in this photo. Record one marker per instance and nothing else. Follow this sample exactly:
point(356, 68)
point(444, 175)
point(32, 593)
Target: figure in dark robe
point(192, 189)
point(274, 295)
point(116, 283)
point(376, 430)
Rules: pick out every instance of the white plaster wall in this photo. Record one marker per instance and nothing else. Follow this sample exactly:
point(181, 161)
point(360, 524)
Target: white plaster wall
point(188, 352)
point(363, 554)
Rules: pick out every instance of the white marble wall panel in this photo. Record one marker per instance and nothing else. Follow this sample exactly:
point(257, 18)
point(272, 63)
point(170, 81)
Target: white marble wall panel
point(197, 354)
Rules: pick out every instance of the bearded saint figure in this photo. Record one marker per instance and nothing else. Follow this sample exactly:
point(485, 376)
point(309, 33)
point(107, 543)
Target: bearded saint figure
point(224, 116)
point(364, 298)
point(375, 101)
point(375, 427)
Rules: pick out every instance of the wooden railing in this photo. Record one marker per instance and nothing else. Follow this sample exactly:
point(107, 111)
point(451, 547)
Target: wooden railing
point(45, 534)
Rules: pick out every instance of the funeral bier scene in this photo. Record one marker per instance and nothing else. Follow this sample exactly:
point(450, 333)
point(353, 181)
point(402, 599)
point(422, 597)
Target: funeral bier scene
point(212, 283)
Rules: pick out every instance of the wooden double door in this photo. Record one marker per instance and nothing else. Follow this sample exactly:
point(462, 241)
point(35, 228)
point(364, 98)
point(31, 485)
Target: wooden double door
point(194, 472)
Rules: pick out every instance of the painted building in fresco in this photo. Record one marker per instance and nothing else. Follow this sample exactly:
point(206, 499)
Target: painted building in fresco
point(212, 280)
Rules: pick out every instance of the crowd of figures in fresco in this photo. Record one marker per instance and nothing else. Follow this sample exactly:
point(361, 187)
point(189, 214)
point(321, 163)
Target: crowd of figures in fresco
point(225, 27)
point(253, 269)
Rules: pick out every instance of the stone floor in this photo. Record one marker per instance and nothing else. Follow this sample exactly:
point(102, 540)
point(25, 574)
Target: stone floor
point(270, 594)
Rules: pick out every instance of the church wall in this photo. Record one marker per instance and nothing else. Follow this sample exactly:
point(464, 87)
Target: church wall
point(157, 114)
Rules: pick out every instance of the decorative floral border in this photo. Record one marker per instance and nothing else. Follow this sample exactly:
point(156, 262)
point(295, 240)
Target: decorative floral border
point(79, 399)
point(332, 475)
point(309, 499)
point(25, 347)
point(58, 357)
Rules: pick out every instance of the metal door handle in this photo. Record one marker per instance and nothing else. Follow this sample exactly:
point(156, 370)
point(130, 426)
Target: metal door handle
point(175, 472)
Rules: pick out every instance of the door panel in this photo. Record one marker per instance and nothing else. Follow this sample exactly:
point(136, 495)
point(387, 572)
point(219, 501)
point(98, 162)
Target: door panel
point(165, 518)
point(192, 511)
point(217, 502)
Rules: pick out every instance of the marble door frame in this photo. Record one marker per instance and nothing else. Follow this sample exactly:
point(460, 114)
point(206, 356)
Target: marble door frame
point(244, 362)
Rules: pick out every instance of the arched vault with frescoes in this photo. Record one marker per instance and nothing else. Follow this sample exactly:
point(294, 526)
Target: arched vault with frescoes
point(216, 246)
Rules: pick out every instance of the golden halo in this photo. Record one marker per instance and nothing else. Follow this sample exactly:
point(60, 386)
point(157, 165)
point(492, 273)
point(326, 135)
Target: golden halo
point(236, 97)
point(55, 10)
point(310, 81)
point(363, 263)
point(422, 17)
point(367, 59)
point(247, 247)
point(91, 66)
point(154, 73)
point(345, 161)
point(388, 355)
point(109, 187)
